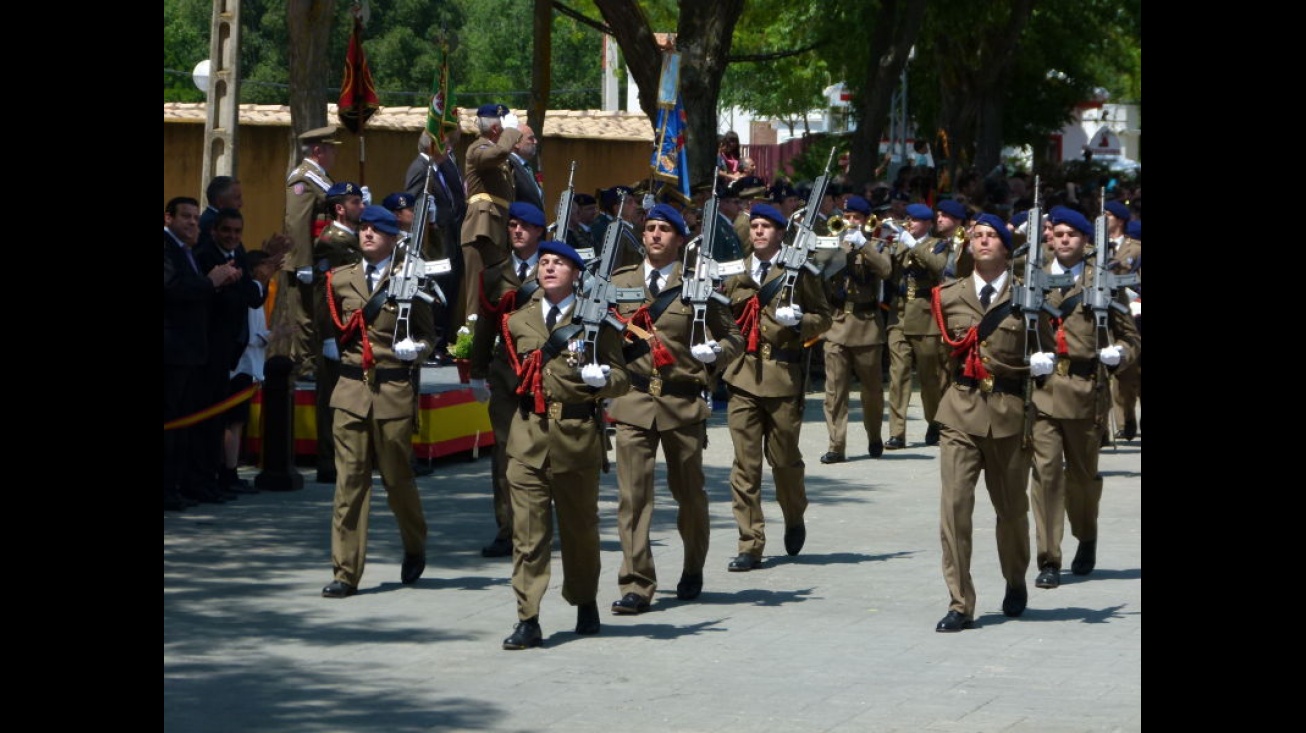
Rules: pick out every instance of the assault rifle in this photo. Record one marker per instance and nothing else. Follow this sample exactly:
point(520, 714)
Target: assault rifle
point(597, 293)
point(800, 238)
point(699, 286)
point(561, 225)
point(415, 277)
point(1102, 298)
point(1028, 296)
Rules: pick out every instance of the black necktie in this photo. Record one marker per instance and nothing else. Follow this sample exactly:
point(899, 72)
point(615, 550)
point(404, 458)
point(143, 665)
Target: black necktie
point(521, 272)
point(552, 318)
point(371, 270)
point(653, 278)
point(765, 268)
point(986, 295)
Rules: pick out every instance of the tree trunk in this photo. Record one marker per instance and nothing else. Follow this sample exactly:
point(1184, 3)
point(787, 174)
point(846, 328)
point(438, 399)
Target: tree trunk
point(308, 23)
point(896, 28)
point(541, 71)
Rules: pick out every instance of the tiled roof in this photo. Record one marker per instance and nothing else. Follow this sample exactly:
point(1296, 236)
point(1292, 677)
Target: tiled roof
point(557, 124)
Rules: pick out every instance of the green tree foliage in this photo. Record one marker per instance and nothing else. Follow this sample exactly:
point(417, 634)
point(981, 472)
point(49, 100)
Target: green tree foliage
point(766, 76)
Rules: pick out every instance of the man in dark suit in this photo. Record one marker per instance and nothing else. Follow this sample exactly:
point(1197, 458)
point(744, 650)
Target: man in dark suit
point(523, 177)
point(223, 192)
point(228, 334)
point(187, 295)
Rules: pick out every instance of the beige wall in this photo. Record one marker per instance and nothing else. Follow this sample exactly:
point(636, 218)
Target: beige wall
point(264, 157)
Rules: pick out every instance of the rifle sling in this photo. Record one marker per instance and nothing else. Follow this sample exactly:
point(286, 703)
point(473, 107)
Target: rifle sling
point(373, 305)
point(557, 342)
point(768, 291)
point(526, 290)
point(989, 323)
point(1069, 305)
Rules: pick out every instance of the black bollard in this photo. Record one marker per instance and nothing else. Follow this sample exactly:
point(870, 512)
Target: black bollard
point(279, 473)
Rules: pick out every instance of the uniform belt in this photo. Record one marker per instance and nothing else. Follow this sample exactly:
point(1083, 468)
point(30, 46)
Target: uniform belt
point(766, 351)
point(388, 374)
point(675, 389)
point(1001, 385)
point(502, 203)
point(861, 309)
point(561, 411)
point(1086, 368)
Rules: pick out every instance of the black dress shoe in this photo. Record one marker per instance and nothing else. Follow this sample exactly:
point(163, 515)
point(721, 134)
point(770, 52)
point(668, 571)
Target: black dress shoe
point(743, 563)
point(1128, 432)
point(955, 621)
point(338, 589)
point(525, 634)
point(412, 568)
point(895, 443)
point(932, 434)
point(1013, 603)
point(498, 548)
point(833, 457)
point(876, 449)
point(1085, 558)
point(630, 603)
point(1049, 577)
point(795, 536)
point(689, 587)
point(587, 618)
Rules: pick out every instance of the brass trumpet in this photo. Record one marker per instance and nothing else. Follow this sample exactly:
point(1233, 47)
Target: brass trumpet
point(836, 224)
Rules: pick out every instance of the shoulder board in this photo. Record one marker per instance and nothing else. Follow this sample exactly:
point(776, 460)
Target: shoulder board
point(315, 178)
point(627, 268)
point(940, 246)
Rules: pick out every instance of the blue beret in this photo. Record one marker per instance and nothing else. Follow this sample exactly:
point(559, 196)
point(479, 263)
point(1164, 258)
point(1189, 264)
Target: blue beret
point(1119, 210)
point(1072, 219)
point(381, 218)
point(1134, 230)
point(584, 199)
point(398, 201)
point(994, 221)
point(527, 212)
point(952, 208)
point(919, 211)
point(668, 213)
point(491, 110)
point(857, 204)
point(1019, 217)
point(610, 196)
point(766, 211)
point(562, 249)
point(343, 189)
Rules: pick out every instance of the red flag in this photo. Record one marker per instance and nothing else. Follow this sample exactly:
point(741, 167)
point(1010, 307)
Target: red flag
point(358, 100)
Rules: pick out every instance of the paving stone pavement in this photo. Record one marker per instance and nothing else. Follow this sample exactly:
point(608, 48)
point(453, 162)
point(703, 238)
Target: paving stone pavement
point(837, 639)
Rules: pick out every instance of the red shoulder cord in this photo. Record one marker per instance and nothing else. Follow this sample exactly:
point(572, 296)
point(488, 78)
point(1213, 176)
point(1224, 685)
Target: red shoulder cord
point(530, 374)
point(965, 348)
point(662, 356)
point(747, 322)
point(354, 324)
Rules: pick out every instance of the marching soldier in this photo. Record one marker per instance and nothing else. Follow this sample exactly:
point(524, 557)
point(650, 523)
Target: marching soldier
point(1126, 257)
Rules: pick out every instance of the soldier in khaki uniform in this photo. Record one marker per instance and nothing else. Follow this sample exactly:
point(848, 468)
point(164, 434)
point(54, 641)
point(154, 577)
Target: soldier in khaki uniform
point(1126, 257)
point(503, 288)
point(982, 418)
point(555, 444)
point(669, 366)
point(306, 189)
point(490, 191)
point(1073, 402)
point(765, 411)
point(337, 245)
point(919, 261)
point(853, 345)
point(374, 404)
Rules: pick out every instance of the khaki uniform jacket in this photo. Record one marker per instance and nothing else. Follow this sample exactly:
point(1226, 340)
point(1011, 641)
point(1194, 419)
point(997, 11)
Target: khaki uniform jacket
point(1065, 396)
point(858, 319)
point(306, 189)
point(1127, 258)
point(915, 273)
point(335, 248)
point(388, 399)
point(564, 444)
point(970, 409)
point(488, 172)
point(489, 359)
point(673, 329)
point(755, 373)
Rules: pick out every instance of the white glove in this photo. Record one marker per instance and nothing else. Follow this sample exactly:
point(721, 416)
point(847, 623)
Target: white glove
point(304, 275)
point(906, 239)
point(1110, 355)
point(856, 239)
point(1041, 363)
point(705, 352)
point(479, 390)
point(509, 121)
point(1136, 308)
point(407, 349)
point(367, 195)
point(788, 315)
point(595, 375)
point(331, 350)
